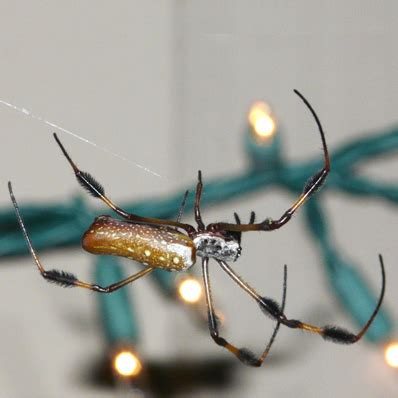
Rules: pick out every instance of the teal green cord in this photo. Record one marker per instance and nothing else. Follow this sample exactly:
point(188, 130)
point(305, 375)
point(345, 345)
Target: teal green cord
point(350, 287)
point(116, 309)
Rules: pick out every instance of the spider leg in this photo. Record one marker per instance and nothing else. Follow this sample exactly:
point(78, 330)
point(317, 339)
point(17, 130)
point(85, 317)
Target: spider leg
point(243, 354)
point(332, 333)
point(52, 276)
point(63, 278)
point(267, 349)
point(95, 189)
point(312, 185)
point(198, 216)
point(182, 206)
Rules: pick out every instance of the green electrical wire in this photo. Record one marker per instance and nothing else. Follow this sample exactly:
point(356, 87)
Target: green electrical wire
point(350, 287)
point(117, 315)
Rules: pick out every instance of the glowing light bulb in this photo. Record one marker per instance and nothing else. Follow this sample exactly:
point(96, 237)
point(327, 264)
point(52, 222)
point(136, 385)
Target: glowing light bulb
point(127, 364)
point(391, 354)
point(261, 121)
point(190, 290)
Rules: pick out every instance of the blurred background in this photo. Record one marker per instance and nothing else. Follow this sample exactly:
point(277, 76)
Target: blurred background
point(168, 85)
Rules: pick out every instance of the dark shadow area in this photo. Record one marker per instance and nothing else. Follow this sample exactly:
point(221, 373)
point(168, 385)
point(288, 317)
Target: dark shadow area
point(167, 379)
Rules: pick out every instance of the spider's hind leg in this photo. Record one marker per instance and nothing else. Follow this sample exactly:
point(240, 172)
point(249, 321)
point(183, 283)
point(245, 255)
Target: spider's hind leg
point(88, 182)
point(64, 278)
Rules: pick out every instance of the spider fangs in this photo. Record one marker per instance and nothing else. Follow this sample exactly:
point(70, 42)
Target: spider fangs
point(173, 246)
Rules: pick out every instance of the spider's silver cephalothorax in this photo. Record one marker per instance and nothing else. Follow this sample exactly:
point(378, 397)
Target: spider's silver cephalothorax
point(216, 246)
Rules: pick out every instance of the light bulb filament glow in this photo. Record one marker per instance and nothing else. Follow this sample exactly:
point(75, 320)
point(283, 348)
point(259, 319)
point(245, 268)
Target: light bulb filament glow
point(127, 364)
point(261, 121)
point(190, 290)
point(391, 355)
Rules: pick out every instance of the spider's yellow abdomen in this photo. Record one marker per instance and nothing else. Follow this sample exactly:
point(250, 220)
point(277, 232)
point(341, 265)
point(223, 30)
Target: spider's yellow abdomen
point(155, 246)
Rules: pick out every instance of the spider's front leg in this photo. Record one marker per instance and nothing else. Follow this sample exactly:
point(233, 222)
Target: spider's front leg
point(312, 185)
point(243, 354)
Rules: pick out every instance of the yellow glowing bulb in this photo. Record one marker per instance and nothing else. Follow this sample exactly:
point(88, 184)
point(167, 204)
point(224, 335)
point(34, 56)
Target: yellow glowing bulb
point(190, 290)
point(264, 126)
point(391, 355)
point(127, 364)
point(261, 121)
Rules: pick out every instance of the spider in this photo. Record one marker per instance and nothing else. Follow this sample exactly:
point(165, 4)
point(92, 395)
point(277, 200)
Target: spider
point(174, 246)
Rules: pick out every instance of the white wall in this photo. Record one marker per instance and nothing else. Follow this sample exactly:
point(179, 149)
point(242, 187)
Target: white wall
point(167, 84)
